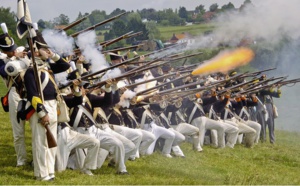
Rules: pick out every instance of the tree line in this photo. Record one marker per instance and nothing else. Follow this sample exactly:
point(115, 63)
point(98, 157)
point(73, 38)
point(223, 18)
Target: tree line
point(145, 20)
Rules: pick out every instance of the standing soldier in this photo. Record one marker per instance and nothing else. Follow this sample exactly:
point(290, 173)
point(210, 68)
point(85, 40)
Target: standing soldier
point(46, 109)
point(266, 96)
point(8, 47)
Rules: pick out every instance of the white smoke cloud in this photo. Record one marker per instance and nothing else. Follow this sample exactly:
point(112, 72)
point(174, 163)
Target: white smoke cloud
point(59, 41)
point(268, 23)
point(125, 98)
point(110, 74)
point(268, 20)
point(87, 44)
point(61, 78)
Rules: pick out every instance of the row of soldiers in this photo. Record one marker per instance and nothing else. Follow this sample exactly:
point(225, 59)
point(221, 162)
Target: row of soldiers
point(122, 119)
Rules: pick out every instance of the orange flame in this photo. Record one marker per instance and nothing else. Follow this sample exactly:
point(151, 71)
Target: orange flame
point(225, 61)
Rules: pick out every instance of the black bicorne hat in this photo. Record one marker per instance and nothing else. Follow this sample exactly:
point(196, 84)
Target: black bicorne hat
point(39, 41)
point(114, 56)
point(7, 43)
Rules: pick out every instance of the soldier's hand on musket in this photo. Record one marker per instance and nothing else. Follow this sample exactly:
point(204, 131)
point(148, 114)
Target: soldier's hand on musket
point(238, 95)
point(142, 58)
point(81, 59)
point(227, 94)
point(45, 120)
point(109, 82)
point(76, 83)
point(188, 79)
point(213, 92)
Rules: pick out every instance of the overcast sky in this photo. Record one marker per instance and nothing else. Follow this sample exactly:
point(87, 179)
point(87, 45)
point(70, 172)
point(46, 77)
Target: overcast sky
point(49, 9)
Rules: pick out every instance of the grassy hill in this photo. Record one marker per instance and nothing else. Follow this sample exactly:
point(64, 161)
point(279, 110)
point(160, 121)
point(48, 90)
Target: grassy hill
point(196, 29)
point(265, 164)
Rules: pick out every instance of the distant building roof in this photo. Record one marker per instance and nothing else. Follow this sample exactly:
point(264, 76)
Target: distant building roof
point(207, 16)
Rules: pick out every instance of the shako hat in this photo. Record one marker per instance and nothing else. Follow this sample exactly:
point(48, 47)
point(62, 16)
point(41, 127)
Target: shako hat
point(7, 43)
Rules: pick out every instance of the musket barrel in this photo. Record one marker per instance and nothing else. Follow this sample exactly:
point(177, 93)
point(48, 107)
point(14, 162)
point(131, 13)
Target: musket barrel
point(74, 23)
point(98, 24)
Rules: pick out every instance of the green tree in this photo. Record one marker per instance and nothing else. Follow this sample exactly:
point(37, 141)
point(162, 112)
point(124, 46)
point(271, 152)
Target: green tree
point(152, 30)
point(228, 7)
point(135, 16)
point(62, 19)
point(41, 24)
point(200, 9)
point(165, 22)
point(247, 3)
point(97, 16)
point(213, 7)
point(183, 13)
point(149, 14)
point(83, 25)
point(119, 27)
point(137, 26)
point(9, 18)
point(199, 18)
point(118, 11)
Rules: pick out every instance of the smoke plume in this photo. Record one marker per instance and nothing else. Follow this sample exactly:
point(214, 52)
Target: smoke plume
point(87, 44)
point(59, 41)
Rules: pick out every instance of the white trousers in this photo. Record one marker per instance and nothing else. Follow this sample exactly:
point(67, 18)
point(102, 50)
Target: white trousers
point(218, 129)
point(257, 127)
point(67, 140)
point(133, 135)
point(147, 139)
point(160, 132)
point(231, 132)
point(18, 129)
point(109, 143)
point(44, 157)
point(203, 123)
point(190, 130)
point(250, 133)
point(129, 146)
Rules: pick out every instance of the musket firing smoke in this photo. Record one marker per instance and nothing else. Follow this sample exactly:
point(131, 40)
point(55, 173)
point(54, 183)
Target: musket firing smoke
point(225, 61)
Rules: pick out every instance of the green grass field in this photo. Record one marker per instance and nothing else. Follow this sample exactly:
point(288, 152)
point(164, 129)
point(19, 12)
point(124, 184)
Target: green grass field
point(196, 29)
point(265, 164)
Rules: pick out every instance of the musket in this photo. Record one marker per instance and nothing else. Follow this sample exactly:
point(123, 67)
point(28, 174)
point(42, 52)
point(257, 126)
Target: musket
point(188, 66)
point(114, 50)
point(150, 80)
point(50, 138)
point(74, 23)
point(265, 81)
point(186, 93)
point(124, 48)
point(159, 51)
point(191, 84)
point(287, 82)
point(234, 87)
point(258, 72)
point(164, 59)
point(125, 36)
point(98, 24)
point(125, 75)
point(117, 65)
point(254, 90)
point(172, 94)
point(174, 90)
point(184, 71)
point(172, 59)
point(144, 91)
point(99, 72)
